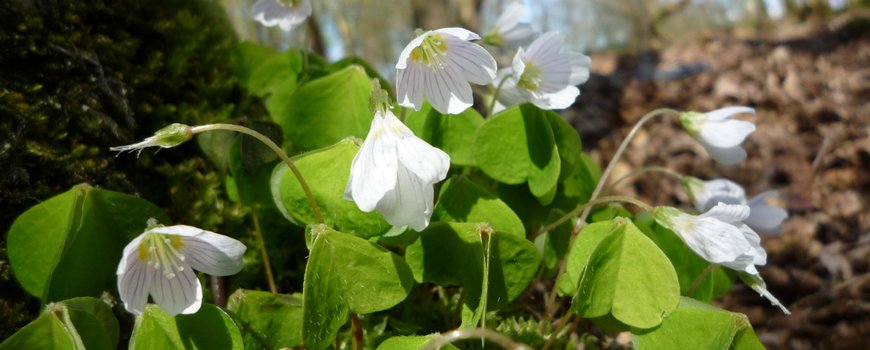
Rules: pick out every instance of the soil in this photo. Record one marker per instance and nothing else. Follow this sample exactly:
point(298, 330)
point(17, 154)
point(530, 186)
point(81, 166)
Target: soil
point(810, 88)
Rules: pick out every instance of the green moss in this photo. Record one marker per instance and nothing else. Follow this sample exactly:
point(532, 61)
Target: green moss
point(80, 76)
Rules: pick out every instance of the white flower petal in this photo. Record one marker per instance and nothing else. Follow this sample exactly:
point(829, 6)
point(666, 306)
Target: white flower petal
point(134, 283)
point(718, 190)
point(759, 255)
point(727, 112)
point(580, 64)
point(714, 240)
point(726, 133)
point(725, 156)
point(406, 52)
point(181, 294)
point(559, 100)
point(742, 263)
point(763, 217)
point(547, 45)
point(729, 213)
point(461, 33)
point(410, 203)
point(273, 12)
point(372, 172)
point(214, 254)
point(519, 35)
point(511, 16)
point(518, 67)
point(472, 60)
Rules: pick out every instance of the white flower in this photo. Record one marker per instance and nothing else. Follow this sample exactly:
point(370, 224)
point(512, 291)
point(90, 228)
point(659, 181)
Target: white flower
point(543, 75)
point(762, 218)
point(394, 172)
point(283, 13)
point(508, 31)
point(718, 235)
point(720, 135)
point(161, 260)
point(437, 65)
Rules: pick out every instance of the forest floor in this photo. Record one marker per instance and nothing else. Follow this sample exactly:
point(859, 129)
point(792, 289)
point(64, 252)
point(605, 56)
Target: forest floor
point(811, 90)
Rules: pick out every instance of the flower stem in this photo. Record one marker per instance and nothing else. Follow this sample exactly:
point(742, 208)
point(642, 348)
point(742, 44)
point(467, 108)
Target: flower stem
point(701, 278)
point(483, 333)
point(587, 206)
point(357, 330)
point(615, 159)
point(275, 148)
point(560, 324)
point(495, 94)
point(258, 233)
point(644, 170)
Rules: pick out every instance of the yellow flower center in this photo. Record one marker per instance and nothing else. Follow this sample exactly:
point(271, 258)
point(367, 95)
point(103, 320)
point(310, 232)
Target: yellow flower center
point(161, 251)
point(531, 78)
point(431, 51)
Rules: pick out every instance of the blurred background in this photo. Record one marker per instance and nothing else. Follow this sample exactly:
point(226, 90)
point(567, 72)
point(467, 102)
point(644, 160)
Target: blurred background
point(79, 76)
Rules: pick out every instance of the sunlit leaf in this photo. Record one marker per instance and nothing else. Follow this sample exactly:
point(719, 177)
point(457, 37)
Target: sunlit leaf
point(464, 201)
point(266, 320)
point(453, 134)
point(326, 171)
point(70, 244)
point(209, 328)
point(348, 274)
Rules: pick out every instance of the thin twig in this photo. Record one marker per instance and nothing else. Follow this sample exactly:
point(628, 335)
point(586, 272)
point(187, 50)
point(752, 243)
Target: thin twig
point(258, 234)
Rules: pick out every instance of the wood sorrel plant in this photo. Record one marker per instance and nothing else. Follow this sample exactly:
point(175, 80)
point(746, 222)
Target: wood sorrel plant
point(425, 235)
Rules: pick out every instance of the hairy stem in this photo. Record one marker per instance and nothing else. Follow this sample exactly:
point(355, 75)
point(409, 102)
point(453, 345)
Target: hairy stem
point(482, 333)
point(275, 148)
point(619, 151)
point(258, 234)
point(495, 94)
point(357, 332)
point(644, 170)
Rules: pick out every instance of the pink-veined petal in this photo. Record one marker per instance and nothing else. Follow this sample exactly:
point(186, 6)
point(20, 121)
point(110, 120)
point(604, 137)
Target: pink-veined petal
point(510, 17)
point(545, 46)
point(134, 284)
point(472, 60)
point(558, 100)
point(404, 57)
point(181, 294)
point(213, 253)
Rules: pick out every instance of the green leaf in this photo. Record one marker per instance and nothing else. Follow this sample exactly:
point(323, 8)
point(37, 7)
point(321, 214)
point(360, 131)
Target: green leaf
point(46, 332)
point(464, 201)
point(250, 56)
point(414, 342)
point(629, 277)
point(370, 71)
point(452, 254)
point(688, 265)
point(325, 110)
point(94, 322)
point(266, 320)
point(78, 323)
point(517, 145)
point(251, 163)
point(578, 256)
point(695, 325)
point(326, 171)
point(348, 274)
point(568, 142)
point(453, 134)
point(70, 244)
point(209, 328)
point(274, 73)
